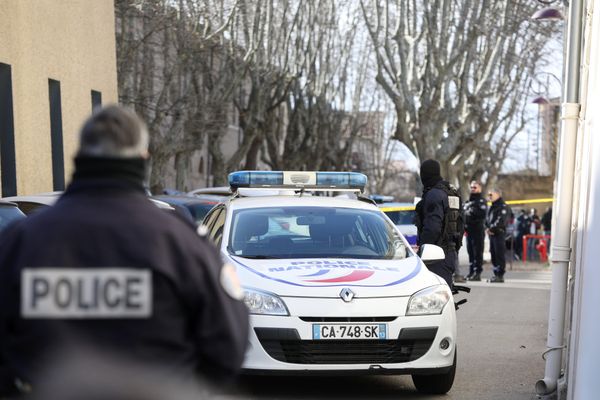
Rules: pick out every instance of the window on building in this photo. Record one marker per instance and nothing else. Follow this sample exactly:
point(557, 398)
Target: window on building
point(8, 168)
point(56, 135)
point(96, 99)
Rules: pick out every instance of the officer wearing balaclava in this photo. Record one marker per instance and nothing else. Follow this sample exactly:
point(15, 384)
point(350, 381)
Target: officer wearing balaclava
point(432, 219)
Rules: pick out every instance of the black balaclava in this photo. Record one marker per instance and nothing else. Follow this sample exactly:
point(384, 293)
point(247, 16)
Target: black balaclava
point(430, 173)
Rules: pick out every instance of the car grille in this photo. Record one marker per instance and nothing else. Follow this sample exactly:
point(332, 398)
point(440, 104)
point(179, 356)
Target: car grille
point(286, 346)
point(347, 319)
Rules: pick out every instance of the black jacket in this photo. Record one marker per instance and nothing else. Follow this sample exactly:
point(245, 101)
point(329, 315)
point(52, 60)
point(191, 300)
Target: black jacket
point(497, 217)
point(547, 220)
point(430, 217)
point(193, 323)
point(475, 212)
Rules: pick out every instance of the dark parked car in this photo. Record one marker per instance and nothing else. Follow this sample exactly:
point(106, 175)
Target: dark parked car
point(9, 213)
point(37, 202)
point(192, 207)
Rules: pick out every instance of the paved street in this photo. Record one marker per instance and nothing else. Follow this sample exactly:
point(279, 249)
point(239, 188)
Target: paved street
point(502, 334)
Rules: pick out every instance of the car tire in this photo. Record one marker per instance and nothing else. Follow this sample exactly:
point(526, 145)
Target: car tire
point(436, 384)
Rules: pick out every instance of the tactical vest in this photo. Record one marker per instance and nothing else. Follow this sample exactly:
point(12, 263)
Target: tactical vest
point(453, 227)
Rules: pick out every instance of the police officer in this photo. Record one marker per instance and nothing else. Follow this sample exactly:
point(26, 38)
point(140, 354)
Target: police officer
point(475, 213)
point(108, 270)
point(438, 218)
point(497, 218)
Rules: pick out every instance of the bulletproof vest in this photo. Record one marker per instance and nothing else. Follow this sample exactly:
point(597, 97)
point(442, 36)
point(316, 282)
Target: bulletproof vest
point(454, 220)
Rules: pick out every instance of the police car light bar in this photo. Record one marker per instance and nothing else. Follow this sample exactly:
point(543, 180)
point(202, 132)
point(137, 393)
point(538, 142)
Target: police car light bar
point(327, 181)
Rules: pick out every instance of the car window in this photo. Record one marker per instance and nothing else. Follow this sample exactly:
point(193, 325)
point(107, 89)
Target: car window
point(29, 208)
point(216, 233)
point(210, 218)
point(200, 210)
point(304, 232)
point(8, 215)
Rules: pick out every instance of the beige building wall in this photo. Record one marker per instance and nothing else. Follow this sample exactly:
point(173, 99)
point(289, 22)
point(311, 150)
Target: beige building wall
point(72, 41)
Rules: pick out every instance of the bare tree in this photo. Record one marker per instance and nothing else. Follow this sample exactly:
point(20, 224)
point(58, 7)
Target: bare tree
point(454, 71)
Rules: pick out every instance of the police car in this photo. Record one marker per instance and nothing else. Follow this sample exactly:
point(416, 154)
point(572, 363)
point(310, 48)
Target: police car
point(331, 284)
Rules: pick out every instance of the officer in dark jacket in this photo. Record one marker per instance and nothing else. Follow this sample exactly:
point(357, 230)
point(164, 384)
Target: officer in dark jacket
point(108, 270)
point(432, 222)
point(475, 213)
point(497, 218)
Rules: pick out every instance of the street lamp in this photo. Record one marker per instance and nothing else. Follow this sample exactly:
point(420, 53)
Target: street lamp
point(540, 100)
point(546, 111)
point(548, 14)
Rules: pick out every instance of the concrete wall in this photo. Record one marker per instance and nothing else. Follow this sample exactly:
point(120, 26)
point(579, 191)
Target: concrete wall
point(72, 41)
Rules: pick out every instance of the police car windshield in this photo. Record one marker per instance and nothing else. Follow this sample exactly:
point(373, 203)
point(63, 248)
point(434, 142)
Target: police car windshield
point(307, 232)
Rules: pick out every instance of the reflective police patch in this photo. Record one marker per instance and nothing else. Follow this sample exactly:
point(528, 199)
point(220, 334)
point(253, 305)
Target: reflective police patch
point(86, 293)
point(453, 202)
point(503, 211)
point(230, 282)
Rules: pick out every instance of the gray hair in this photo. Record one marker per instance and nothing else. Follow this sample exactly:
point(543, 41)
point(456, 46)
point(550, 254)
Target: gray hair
point(496, 190)
point(114, 131)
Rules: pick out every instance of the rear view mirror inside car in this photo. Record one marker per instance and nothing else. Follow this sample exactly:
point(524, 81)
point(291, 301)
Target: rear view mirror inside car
point(310, 220)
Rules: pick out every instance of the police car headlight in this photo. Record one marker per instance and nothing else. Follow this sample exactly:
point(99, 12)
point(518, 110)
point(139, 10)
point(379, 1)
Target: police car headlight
point(259, 302)
point(429, 301)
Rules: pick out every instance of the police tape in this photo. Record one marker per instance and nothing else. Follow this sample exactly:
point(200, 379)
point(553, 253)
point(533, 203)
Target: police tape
point(402, 208)
point(532, 201)
point(509, 202)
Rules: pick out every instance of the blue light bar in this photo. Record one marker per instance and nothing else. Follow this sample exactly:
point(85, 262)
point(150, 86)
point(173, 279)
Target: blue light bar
point(298, 180)
point(379, 198)
point(349, 180)
point(255, 179)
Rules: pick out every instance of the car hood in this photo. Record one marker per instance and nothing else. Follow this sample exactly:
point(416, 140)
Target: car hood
point(312, 277)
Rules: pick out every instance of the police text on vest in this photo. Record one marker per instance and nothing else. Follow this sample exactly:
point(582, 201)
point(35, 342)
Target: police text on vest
point(86, 293)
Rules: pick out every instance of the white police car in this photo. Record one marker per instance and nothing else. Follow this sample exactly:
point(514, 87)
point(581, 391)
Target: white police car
point(332, 285)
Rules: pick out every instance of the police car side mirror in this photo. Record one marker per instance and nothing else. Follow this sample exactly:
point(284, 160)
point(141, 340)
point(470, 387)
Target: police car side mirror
point(431, 253)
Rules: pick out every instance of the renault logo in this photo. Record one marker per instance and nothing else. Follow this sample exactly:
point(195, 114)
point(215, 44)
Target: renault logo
point(347, 295)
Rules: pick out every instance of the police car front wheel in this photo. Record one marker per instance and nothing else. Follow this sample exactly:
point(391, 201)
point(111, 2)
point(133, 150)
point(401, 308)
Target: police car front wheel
point(436, 384)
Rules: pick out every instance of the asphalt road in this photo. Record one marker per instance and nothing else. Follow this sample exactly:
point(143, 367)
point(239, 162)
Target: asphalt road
point(501, 337)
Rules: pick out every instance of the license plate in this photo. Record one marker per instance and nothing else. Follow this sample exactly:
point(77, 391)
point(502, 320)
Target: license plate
point(349, 331)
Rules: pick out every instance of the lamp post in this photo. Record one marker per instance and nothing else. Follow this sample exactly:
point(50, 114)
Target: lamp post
point(546, 113)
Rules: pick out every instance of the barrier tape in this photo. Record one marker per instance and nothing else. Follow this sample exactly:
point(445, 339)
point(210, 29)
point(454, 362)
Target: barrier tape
point(509, 202)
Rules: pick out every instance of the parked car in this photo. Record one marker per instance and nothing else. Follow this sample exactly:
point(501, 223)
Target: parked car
point(9, 213)
point(192, 207)
point(33, 203)
point(403, 216)
point(37, 202)
point(222, 191)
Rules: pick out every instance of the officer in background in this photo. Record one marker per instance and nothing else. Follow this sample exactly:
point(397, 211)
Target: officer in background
point(439, 218)
point(497, 218)
point(105, 269)
point(475, 213)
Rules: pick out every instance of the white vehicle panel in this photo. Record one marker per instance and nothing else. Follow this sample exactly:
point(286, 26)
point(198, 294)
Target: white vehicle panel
point(326, 277)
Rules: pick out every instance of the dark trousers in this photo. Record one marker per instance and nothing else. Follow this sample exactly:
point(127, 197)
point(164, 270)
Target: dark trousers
point(519, 245)
point(445, 268)
point(497, 250)
point(475, 238)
